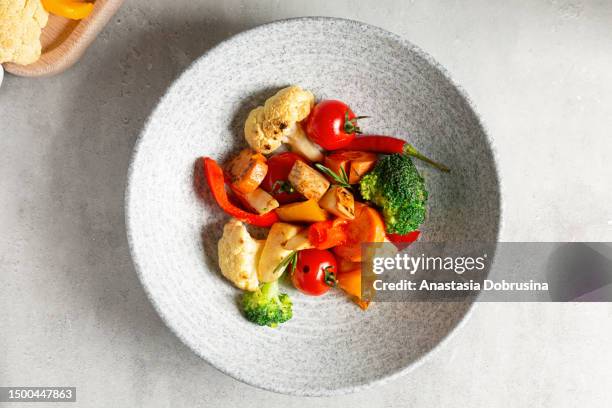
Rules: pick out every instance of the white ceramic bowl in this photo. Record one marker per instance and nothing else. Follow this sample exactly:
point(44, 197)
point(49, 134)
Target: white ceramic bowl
point(330, 346)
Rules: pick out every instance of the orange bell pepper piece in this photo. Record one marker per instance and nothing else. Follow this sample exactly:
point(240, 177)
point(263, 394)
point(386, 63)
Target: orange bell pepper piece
point(72, 9)
point(348, 279)
point(355, 164)
point(368, 226)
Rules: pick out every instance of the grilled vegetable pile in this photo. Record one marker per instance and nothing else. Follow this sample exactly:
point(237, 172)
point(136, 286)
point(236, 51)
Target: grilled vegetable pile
point(332, 191)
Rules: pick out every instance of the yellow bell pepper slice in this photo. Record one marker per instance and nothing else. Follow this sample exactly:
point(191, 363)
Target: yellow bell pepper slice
point(72, 9)
point(305, 211)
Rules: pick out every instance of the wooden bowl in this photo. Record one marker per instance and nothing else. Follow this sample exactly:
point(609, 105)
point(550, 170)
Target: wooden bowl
point(64, 41)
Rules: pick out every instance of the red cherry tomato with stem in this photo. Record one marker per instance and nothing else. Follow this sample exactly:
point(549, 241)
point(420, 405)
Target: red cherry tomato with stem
point(276, 181)
point(315, 271)
point(332, 124)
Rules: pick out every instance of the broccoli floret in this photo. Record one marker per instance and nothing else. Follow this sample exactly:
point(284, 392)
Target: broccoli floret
point(267, 306)
point(396, 186)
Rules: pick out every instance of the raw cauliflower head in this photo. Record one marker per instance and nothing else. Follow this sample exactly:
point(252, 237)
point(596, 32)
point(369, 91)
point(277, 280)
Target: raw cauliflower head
point(266, 126)
point(21, 22)
point(238, 255)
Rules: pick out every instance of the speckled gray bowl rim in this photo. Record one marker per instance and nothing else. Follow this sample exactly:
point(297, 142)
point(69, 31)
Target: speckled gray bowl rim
point(236, 374)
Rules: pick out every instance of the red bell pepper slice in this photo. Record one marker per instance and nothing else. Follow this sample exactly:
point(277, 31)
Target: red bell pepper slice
point(206, 169)
point(403, 241)
point(328, 234)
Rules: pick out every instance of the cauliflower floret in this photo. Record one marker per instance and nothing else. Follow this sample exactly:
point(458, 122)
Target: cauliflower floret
point(21, 22)
point(239, 254)
point(287, 106)
point(255, 135)
point(270, 125)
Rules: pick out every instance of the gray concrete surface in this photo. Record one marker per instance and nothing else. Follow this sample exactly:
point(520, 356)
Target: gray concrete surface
point(72, 311)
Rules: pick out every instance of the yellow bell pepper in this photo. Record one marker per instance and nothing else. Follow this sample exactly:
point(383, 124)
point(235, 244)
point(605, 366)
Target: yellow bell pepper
point(305, 211)
point(72, 9)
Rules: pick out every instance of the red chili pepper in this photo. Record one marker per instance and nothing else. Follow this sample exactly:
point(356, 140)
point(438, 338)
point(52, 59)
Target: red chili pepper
point(403, 241)
point(388, 144)
point(208, 169)
point(328, 234)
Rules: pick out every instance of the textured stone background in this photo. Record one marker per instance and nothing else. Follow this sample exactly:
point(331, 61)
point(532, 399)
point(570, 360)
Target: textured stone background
point(72, 311)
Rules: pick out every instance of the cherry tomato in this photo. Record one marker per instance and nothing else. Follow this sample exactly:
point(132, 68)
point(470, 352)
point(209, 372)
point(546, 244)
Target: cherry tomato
point(315, 271)
point(332, 124)
point(276, 181)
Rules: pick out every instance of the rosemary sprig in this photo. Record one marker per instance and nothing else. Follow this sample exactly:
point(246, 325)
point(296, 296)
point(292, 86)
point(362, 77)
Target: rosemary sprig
point(339, 179)
point(290, 260)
